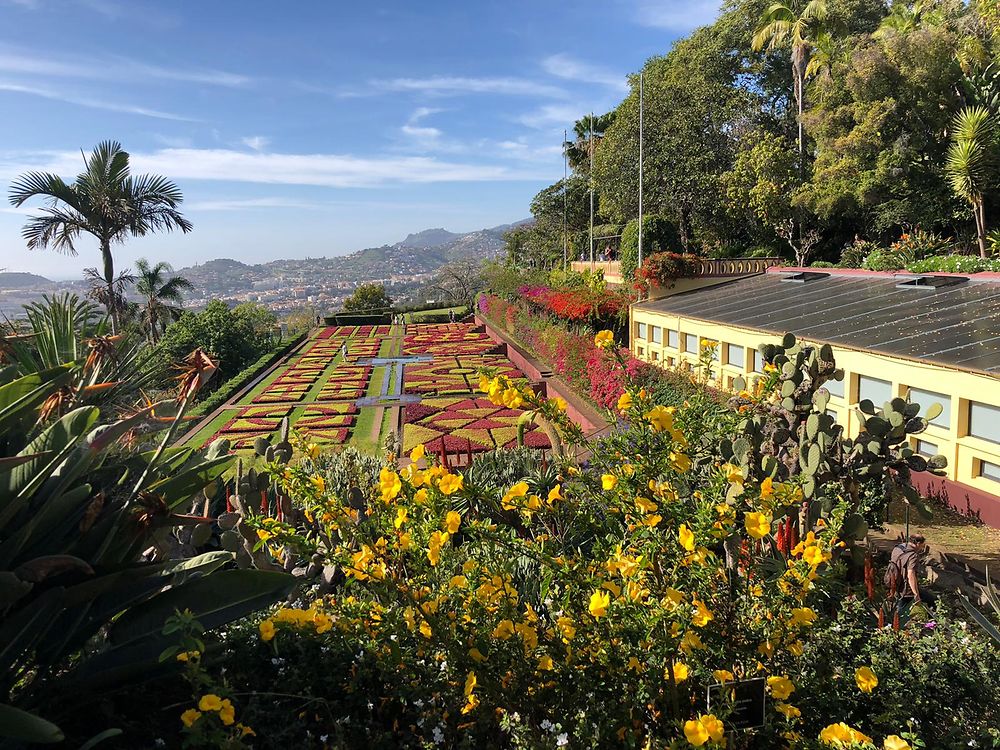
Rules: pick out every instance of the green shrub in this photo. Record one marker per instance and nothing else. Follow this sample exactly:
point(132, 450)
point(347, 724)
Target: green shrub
point(883, 259)
point(823, 264)
point(658, 235)
point(954, 264)
point(854, 253)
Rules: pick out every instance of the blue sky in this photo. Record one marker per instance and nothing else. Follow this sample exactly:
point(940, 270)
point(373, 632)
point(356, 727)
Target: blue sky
point(314, 128)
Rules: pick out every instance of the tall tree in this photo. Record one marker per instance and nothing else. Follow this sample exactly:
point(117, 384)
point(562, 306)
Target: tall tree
point(588, 131)
point(162, 296)
point(368, 298)
point(105, 201)
point(794, 23)
point(971, 163)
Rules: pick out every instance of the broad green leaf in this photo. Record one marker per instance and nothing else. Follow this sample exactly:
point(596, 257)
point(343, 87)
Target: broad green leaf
point(27, 727)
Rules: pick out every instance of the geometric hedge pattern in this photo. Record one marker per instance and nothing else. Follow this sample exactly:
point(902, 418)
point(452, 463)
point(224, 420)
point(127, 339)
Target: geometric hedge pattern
point(460, 423)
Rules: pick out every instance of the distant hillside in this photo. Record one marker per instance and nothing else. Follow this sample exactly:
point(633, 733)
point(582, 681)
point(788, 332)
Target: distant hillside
point(428, 238)
point(18, 280)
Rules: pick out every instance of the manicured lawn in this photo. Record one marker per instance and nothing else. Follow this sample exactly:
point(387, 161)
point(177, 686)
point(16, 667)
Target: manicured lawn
point(460, 311)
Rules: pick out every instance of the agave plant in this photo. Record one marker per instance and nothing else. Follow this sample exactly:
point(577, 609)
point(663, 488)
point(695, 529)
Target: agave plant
point(108, 371)
point(80, 608)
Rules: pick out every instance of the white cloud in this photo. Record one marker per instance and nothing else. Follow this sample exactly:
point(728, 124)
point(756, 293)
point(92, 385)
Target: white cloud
point(327, 170)
point(677, 15)
point(453, 85)
point(18, 61)
point(256, 142)
point(551, 117)
point(240, 204)
point(130, 109)
point(569, 68)
point(421, 112)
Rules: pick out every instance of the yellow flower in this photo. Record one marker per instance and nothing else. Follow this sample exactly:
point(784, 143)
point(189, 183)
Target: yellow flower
point(695, 732)
point(609, 481)
point(814, 555)
point(434, 545)
point(652, 521)
point(318, 482)
point(401, 516)
point(625, 402)
point(560, 403)
point(767, 488)
point(389, 484)
point(476, 655)
point(565, 625)
point(723, 675)
point(661, 418)
point(758, 525)
point(789, 711)
point(503, 630)
point(680, 462)
point(866, 679)
point(470, 684)
point(599, 602)
point(420, 497)
point(185, 656)
point(227, 714)
point(312, 450)
point(417, 453)
point(895, 742)
point(545, 664)
point(781, 687)
point(604, 340)
point(512, 398)
point(190, 716)
point(803, 616)
point(840, 735)
point(450, 484)
point(470, 704)
point(681, 672)
point(210, 702)
point(452, 521)
point(686, 537)
point(646, 506)
point(555, 493)
point(702, 614)
point(266, 628)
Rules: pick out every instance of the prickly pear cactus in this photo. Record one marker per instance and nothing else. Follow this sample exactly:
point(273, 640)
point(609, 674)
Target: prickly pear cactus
point(787, 435)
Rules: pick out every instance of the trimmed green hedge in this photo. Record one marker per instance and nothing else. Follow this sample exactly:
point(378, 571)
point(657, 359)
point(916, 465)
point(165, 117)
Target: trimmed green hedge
point(232, 386)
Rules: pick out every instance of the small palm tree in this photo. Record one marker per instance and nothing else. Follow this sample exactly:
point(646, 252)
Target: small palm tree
point(971, 163)
point(104, 201)
point(794, 23)
point(159, 292)
point(579, 151)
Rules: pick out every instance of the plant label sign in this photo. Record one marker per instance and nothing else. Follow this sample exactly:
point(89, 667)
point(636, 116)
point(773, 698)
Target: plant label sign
point(747, 699)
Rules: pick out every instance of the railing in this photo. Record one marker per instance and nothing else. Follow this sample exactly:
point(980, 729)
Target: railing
point(702, 266)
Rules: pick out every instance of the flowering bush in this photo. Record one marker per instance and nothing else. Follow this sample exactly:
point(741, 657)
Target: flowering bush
point(578, 304)
point(662, 269)
point(572, 607)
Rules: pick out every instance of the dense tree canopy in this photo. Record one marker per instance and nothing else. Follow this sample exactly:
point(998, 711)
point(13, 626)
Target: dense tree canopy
point(368, 298)
point(880, 86)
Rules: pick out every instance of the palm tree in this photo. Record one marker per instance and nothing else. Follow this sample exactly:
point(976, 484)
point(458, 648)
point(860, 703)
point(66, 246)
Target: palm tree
point(796, 23)
point(578, 151)
point(105, 201)
point(971, 163)
point(905, 18)
point(159, 292)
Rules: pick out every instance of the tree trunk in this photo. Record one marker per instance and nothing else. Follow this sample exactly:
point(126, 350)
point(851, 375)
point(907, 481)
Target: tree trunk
point(979, 211)
point(109, 279)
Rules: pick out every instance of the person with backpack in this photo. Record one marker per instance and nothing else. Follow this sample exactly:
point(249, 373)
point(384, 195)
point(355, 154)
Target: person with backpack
point(901, 576)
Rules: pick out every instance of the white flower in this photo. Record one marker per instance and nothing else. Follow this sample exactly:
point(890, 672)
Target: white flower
point(546, 724)
point(438, 736)
point(562, 740)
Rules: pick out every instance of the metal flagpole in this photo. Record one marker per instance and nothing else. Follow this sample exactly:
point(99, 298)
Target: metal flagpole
point(640, 168)
point(565, 177)
point(590, 147)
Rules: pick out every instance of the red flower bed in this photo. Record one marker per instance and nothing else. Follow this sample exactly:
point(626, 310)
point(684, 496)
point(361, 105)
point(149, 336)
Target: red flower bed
point(577, 305)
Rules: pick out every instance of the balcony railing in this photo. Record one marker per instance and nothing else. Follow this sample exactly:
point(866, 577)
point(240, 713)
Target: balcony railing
point(704, 267)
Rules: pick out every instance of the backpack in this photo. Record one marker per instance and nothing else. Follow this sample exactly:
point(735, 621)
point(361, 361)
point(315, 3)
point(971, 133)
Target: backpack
point(895, 574)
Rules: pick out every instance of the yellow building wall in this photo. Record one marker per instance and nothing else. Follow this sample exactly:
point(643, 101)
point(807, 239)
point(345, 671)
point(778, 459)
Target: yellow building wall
point(965, 453)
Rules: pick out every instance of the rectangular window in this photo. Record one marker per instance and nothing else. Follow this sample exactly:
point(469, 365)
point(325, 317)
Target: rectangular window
point(984, 421)
point(926, 398)
point(673, 339)
point(655, 356)
point(640, 351)
point(691, 343)
point(670, 361)
point(656, 334)
point(735, 355)
point(925, 448)
point(758, 361)
point(836, 387)
point(640, 330)
point(879, 391)
point(989, 470)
